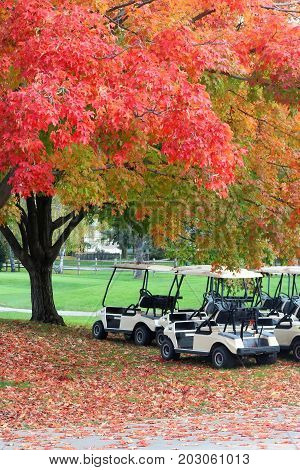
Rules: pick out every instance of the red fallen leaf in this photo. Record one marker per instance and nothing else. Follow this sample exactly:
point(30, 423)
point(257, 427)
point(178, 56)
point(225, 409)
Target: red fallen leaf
point(143, 443)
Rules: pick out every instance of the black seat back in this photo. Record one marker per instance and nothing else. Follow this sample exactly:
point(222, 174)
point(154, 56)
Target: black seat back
point(162, 302)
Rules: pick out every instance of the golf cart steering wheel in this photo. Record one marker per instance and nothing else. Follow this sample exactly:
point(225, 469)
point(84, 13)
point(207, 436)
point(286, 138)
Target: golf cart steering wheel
point(145, 292)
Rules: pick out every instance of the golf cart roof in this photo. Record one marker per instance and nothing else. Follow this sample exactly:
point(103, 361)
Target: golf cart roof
point(146, 267)
point(223, 274)
point(198, 267)
point(276, 270)
point(293, 270)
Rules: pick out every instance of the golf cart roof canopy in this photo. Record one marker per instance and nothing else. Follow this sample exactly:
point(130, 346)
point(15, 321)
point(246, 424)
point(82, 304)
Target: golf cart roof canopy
point(276, 270)
point(223, 274)
point(293, 270)
point(198, 267)
point(146, 267)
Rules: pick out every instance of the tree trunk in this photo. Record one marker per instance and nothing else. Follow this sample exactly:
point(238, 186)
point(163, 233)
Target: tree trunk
point(124, 252)
point(62, 253)
point(12, 260)
point(37, 251)
point(139, 255)
point(43, 307)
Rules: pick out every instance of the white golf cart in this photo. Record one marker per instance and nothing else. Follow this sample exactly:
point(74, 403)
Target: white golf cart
point(281, 311)
point(230, 330)
point(140, 320)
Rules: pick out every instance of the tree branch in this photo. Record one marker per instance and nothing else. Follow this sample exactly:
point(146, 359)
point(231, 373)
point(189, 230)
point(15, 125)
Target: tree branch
point(14, 244)
point(66, 233)
point(60, 221)
point(202, 15)
point(236, 77)
point(5, 188)
point(33, 228)
point(117, 23)
point(22, 228)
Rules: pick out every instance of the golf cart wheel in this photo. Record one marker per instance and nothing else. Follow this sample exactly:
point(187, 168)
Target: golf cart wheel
point(128, 337)
point(296, 350)
point(99, 331)
point(167, 350)
point(222, 358)
point(160, 337)
point(266, 359)
point(142, 336)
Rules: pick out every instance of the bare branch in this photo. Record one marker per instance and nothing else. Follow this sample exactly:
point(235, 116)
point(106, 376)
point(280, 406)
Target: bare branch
point(66, 233)
point(117, 23)
point(202, 15)
point(13, 242)
point(60, 221)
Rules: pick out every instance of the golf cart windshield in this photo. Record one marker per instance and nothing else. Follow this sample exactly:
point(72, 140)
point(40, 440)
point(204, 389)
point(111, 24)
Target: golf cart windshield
point(143, 286)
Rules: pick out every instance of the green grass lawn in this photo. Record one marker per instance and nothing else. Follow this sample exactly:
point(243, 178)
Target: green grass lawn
point(84, 291)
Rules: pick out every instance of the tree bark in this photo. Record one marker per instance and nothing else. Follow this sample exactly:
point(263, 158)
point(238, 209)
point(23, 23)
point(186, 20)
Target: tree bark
point(43, 307)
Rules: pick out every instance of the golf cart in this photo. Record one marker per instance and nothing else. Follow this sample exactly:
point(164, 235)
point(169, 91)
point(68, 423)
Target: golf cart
point(230, 330)
point(139, 321)
point(281, 313)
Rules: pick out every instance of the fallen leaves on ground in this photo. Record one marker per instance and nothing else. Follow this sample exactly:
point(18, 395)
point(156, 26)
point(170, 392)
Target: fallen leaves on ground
point(60, 378)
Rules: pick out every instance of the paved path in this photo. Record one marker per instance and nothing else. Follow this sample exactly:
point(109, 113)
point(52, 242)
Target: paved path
point(256, 429)
point(66, 313)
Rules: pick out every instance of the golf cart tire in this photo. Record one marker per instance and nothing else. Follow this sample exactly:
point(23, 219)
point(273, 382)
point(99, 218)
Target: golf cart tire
point(266, 359)
point(142, 336)
point(128, 337)
point(167, 351)
point(296, 349)
point(222, 358)
point(98, 330)
point(159, 337)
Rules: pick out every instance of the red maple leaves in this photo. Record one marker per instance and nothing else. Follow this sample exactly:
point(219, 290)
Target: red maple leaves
point(78, 85)
point(68, 78)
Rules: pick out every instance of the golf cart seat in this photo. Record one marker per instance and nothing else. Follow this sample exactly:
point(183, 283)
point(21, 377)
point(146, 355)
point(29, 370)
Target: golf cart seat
point(267, 321)
point(268, 303)
point(290, 307)
point(162, 302)
point(238, 315)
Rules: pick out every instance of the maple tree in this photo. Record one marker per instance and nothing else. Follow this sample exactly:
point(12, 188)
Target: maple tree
point(99, 99)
